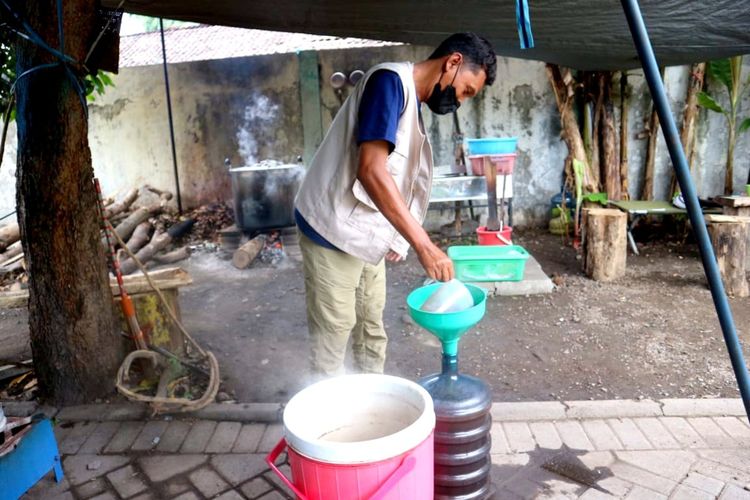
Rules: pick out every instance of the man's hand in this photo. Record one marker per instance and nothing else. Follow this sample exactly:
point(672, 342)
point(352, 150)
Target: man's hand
point(435, 262)
point(392, 256)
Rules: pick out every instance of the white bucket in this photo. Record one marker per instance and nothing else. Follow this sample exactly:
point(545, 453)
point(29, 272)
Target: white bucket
point(358, 418)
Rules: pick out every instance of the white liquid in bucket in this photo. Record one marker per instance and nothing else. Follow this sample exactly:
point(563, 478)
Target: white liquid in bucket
point(385, 415)
point(358, 418)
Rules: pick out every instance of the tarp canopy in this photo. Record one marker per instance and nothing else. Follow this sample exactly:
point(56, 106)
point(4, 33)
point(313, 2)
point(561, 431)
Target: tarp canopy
point(581, 34)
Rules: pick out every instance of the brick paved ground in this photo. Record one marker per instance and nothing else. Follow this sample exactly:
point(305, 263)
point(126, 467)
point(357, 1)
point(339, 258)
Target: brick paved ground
point(677, 449)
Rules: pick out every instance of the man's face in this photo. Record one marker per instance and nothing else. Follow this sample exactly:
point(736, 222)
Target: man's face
point(469, 81)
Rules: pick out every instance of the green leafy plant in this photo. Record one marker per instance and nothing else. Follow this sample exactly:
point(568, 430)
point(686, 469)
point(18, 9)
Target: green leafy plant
point(729, 73)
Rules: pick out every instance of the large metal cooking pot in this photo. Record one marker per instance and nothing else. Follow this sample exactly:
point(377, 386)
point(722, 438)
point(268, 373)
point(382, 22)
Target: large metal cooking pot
point(264, 195)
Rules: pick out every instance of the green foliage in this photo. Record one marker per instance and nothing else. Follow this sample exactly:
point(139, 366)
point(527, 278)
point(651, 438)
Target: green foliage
point(722, 71)
point(708, 102)
point(728, 72)
point(96, 84)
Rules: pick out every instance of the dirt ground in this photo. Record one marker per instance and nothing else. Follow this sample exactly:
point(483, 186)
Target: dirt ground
point(652, 334)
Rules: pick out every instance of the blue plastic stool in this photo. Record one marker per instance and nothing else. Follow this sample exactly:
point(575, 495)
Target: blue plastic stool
point(35, 455)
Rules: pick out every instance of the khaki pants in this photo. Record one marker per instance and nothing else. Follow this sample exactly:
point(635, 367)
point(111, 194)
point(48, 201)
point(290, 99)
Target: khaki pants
point(345, 296)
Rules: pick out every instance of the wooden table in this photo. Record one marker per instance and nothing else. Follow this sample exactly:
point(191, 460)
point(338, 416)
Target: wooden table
point(734, 205)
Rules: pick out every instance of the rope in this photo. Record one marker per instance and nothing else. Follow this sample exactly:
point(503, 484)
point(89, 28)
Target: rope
point(164, 404)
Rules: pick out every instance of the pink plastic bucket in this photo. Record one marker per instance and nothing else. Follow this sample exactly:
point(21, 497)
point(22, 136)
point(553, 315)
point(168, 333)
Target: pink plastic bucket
point(359, 437)
point(502, 237)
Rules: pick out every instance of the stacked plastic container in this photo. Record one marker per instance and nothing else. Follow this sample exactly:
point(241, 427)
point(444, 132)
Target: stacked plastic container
point(501, 151)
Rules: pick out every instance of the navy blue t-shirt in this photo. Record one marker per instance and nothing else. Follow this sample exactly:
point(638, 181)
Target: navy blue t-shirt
point(379, 111)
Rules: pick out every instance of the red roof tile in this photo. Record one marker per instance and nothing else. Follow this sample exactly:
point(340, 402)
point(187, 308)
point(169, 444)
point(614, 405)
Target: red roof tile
point(204, 42)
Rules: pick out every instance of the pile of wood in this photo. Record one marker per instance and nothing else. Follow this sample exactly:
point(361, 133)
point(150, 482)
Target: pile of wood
point(145, 219)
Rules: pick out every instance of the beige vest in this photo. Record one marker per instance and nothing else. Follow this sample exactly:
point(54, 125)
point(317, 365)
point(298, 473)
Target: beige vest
point(336, 204)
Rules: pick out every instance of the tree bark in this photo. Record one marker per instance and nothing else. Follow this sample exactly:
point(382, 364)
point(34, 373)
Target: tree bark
point(689, 116)
point(647, 192)
point(604, 243)
point(71, 321)
point(729, 240)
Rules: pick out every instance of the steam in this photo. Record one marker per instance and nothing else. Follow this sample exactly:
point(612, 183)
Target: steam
point(258, 119)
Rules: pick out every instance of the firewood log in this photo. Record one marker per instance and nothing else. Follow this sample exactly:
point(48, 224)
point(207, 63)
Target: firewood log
point(121, 205)
point(13, 250)
point(173, 256)
point(159, 241)
point(246, 254)
point(125, 228)
point(140, 236)
point(9, 234)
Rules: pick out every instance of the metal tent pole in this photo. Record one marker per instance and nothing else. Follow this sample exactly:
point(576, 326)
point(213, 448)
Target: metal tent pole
point(169, 114)
point(676, 152)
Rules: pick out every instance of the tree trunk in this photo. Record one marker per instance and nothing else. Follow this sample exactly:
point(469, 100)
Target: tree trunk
point(604, 243)
point(611, 163)
point(729, 240)
point(624, 110)
point(729, 177)
point(71, 320)
point(689, 115)
point(570, 131)
point(653, 135)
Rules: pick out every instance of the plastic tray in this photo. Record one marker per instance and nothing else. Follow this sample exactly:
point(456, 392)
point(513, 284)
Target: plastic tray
point(489, 263)
point(492, 145)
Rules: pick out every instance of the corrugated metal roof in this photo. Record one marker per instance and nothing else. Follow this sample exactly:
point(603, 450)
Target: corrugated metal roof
point(204, 42)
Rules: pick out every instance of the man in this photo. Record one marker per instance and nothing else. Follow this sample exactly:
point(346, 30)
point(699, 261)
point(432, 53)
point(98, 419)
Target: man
point(366, 193)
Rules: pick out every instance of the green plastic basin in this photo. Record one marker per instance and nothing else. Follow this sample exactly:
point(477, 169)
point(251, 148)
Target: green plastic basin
point(448, 327)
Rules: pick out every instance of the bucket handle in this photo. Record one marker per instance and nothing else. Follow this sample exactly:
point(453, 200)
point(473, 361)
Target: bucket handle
point(406, 466)
point(503, 238)
point(271, 458)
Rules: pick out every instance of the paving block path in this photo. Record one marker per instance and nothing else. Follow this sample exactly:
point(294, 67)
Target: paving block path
point(675, 449)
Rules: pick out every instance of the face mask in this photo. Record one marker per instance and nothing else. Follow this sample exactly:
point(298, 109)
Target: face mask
point(444, 101)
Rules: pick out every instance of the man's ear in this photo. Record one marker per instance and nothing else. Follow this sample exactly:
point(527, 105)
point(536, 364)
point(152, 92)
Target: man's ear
point(454, 60)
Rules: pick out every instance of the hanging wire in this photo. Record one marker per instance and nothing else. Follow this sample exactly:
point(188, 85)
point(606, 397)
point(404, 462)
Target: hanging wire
point(64, 60)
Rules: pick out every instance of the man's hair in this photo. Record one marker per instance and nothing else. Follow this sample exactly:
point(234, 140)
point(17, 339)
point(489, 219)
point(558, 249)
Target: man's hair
point(477, 51)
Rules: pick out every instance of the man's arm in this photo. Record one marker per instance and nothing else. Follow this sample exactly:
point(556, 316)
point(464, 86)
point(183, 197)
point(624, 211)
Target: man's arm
point(380, 186)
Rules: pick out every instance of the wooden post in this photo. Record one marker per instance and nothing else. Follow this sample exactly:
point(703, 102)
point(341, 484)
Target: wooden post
point(647, 192)
point(604, 243)
point(729, 238)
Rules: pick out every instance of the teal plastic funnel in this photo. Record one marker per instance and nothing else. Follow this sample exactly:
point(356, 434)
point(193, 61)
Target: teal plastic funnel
point(449, 326)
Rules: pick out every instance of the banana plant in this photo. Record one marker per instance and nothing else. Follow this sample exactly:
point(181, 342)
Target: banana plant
point(728, 71)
